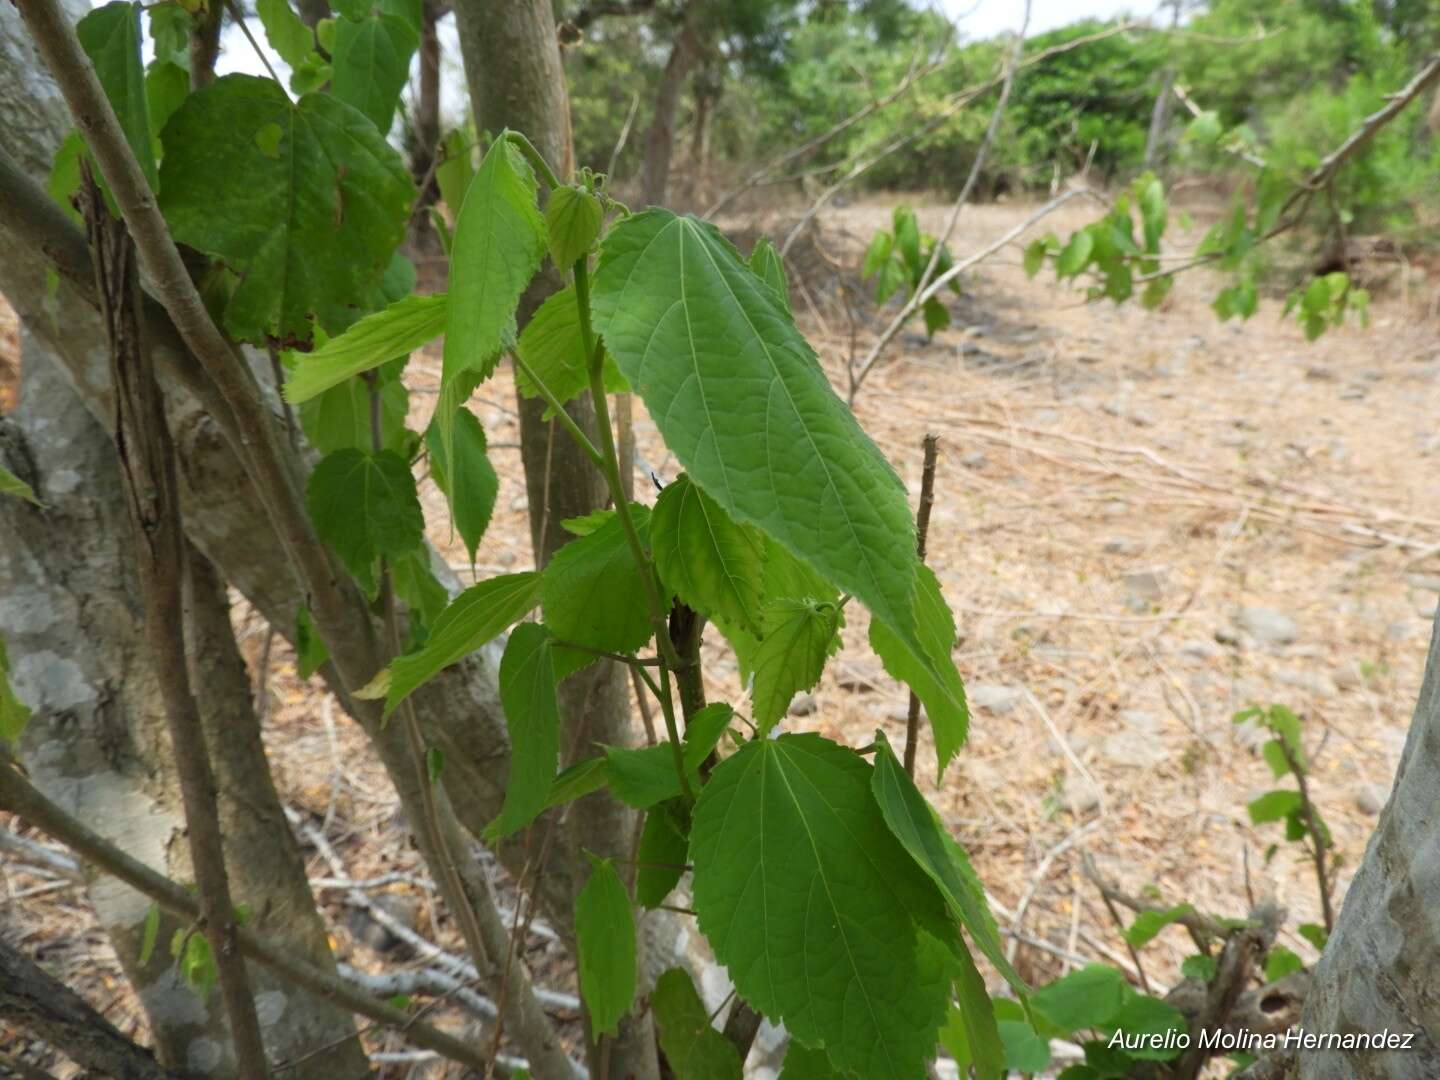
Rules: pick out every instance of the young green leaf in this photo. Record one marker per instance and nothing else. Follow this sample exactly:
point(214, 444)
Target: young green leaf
point(1274, 805)
point(371, 61)
point(149, 936)
point(472, 484)
point(167, 85)
point(882, 246)
point(812, 905)
point(110, 36)
point(1199, 966)
point(1152, 1019)
point(800, 635)
point(765, 261)
point(10, 484)
point(418, 588)
point(257, 181)
point(310, 648)
point(605, 931)
point(703, 731)
point(693, 1048)
point(1034, 257)
point(712, 564)
point(923, 662)
point(664, 847)
point(1088, 998)
point(376, 339)
point(532, 716)
point(1315, 934)
point(475, 617)
point(13, 712)
point(499, 242)
point(970, 1032)
point(593, 595)
point(553, 349)
point(579, 780)
point(937, 316)
point(572, 222)
point(456, 168)
point(295, 43)
point(1281, 962)
point(645, 777)
point(701, 340)
point(339, 418)
point(1148, 924)
point(1026, 1051)
point(806, 1063)
point(907, 239)
point(365, 506)
point(912, 822)
point(1075, 256)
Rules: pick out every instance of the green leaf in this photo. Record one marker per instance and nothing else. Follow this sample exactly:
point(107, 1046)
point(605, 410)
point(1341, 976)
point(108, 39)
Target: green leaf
point(150, 935)
point(456, 168)
point(1148, 924)
point(339, 418)
point(434, 764)
point(581, 779)
point(532, 717)
point(371, 61)
point(572, 222)
point(970, 1032)
point(914, 824)
point(805, 1063)
point(419, 589)
point(605, 931)
point(294, 42)
point(799, 636)
point(907, 240)
point(553, 349)
point(924, 663)
point(703, 731)
point(365, 507)
point(1274, 754)
point(110, 36)
point(475, 617)
point(1088, 998)
point(645, 777)
point(10, 484)
point(882, 246)
point(693, 1049)
point(472, 485)
point(1274, 805)
point(812, 905)
point(376, 339)
point(593, 595)
point(1152, 1019)
point(196, 962)
point(499, 242)
point(660, 858)
point(167, 85)
point(1025, 1050)
point(64, 179)
point(702, 341)
point(769, 267)
point(13, 712)
point(1034, 257)
point(310, 648)
point(1075, 255)
point(712, 564)
point(304, 202)
point(937, 316)
point(1315, 934)
point(1199, 966)
point(1281, 962)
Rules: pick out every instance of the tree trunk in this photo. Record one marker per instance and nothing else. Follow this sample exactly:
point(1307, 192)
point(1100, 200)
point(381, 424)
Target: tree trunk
point(96, 744)
point(517, 81)
point(1378, 970)
point(660, 139)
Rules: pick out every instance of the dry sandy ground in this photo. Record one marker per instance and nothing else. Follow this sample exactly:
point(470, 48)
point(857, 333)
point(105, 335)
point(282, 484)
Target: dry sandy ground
point(1116, 490)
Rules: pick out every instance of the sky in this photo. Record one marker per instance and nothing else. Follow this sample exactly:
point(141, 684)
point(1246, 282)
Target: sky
point(986, 18)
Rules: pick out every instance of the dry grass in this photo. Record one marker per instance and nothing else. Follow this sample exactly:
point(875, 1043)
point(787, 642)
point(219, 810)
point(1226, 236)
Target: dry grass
point(1114, 487)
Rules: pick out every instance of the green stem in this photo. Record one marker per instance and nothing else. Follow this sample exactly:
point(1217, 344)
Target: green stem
point(667, 707)
point(558, 407)
point(536, 159)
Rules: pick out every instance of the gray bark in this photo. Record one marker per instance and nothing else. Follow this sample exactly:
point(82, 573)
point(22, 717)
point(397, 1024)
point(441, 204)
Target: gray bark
point(660, 139)
point(517, 81)
point(1378, 970)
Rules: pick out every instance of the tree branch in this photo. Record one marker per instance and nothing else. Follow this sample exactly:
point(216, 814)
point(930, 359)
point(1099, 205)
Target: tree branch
point(32, 999)
point(19, 796)
point(146, 456)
